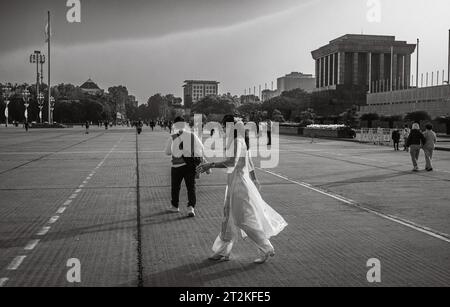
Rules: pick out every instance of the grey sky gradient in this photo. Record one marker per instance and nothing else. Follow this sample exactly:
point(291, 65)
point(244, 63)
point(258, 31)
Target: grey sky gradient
point(152, 46)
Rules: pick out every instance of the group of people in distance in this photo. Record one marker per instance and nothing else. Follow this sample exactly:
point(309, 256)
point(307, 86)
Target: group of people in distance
point(414, 141)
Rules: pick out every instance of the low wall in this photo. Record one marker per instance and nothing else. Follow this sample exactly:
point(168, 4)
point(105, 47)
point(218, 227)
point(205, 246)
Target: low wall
point(309, 132)
point(378, 136)
point(290, 130)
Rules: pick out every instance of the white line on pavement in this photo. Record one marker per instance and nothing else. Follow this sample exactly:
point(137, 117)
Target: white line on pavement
point(428, 231)
point(43, 231)
point(3, 281)
point(31, 245)
point(53, 219)
point(14, 265)
point(75, 152)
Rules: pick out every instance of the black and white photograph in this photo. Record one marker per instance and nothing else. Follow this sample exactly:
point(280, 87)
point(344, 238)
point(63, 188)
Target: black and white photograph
point(222, 150)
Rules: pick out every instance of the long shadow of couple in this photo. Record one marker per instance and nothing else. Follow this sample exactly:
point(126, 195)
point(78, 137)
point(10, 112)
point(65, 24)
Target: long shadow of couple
point(197, 274)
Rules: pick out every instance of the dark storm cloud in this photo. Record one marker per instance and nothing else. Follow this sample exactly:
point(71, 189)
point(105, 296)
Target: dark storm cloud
point(22, 21)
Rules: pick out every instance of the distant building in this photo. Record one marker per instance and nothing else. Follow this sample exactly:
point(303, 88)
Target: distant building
point(91, 88)
point(195, 90)
point(435, 100)
point(269, 94)
point(292, 81)
point(363, 61)
point(249, 99)
point(296, 80)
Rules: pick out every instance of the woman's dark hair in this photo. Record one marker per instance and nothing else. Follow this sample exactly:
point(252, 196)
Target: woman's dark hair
point(230, 119)
point(179, 119)
point(429, 127)
point(227, 119)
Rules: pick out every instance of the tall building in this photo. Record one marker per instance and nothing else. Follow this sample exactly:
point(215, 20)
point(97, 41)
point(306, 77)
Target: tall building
point(296, 80)
point(364, 61)
point(195, 90)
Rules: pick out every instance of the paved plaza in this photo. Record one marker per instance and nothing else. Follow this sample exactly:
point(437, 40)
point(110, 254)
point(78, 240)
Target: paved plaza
point(102, 198)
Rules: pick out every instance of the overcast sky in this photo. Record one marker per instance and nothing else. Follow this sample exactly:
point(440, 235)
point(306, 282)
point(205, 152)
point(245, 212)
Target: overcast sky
point(152, 46)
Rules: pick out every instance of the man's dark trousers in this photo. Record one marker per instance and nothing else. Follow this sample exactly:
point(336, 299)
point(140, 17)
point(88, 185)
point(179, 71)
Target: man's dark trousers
point(188, 174)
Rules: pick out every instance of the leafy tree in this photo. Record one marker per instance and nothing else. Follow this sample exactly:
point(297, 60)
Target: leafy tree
point(369, 118)
point(277, 116)
point(290, 104)
point(417, 116)
point(118, 97)
point(131, 110)
point(349, 117)
point(249, 109)
point(445, 120)
point(214, 105)
point(159, 106)
point(392, 119)
point(298, 94)
point(307, 117)
point(155, 103)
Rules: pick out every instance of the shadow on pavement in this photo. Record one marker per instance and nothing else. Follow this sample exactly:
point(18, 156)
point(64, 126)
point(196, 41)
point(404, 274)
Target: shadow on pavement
point(191, 275)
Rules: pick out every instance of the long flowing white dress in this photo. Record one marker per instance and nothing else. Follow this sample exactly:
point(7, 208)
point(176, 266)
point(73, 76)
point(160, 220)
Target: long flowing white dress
point(246, 214)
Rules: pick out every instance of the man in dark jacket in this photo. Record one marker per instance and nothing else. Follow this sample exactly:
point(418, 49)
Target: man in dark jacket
point(415, 142)
point(396, 139)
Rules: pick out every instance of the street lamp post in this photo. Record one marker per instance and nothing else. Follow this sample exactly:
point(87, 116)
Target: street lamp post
point(26, 99)
point(35, 58)
point(41, 105)
point(52, 108)
point(42, 62)
point(6, 95)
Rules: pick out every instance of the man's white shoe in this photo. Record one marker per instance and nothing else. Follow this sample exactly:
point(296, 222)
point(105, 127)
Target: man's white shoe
point(174, 209)
point(191, 211)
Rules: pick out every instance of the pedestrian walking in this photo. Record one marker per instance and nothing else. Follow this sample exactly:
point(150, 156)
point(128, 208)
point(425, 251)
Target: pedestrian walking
point(186, 150)
point(415, 142)
point(87, 127)
point(396, 139)
point(246, 214)
point(139, 126)
point(406, 132)
point(269, 132)
point(428, 147)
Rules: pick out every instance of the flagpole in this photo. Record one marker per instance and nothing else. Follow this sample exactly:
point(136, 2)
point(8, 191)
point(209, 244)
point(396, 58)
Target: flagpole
point(50, 119)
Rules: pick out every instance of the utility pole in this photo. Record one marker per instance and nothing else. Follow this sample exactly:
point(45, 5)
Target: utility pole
point(50, 119)
point(35, 59)
point(42, 62)
point(392, 70)
point(417, 65)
